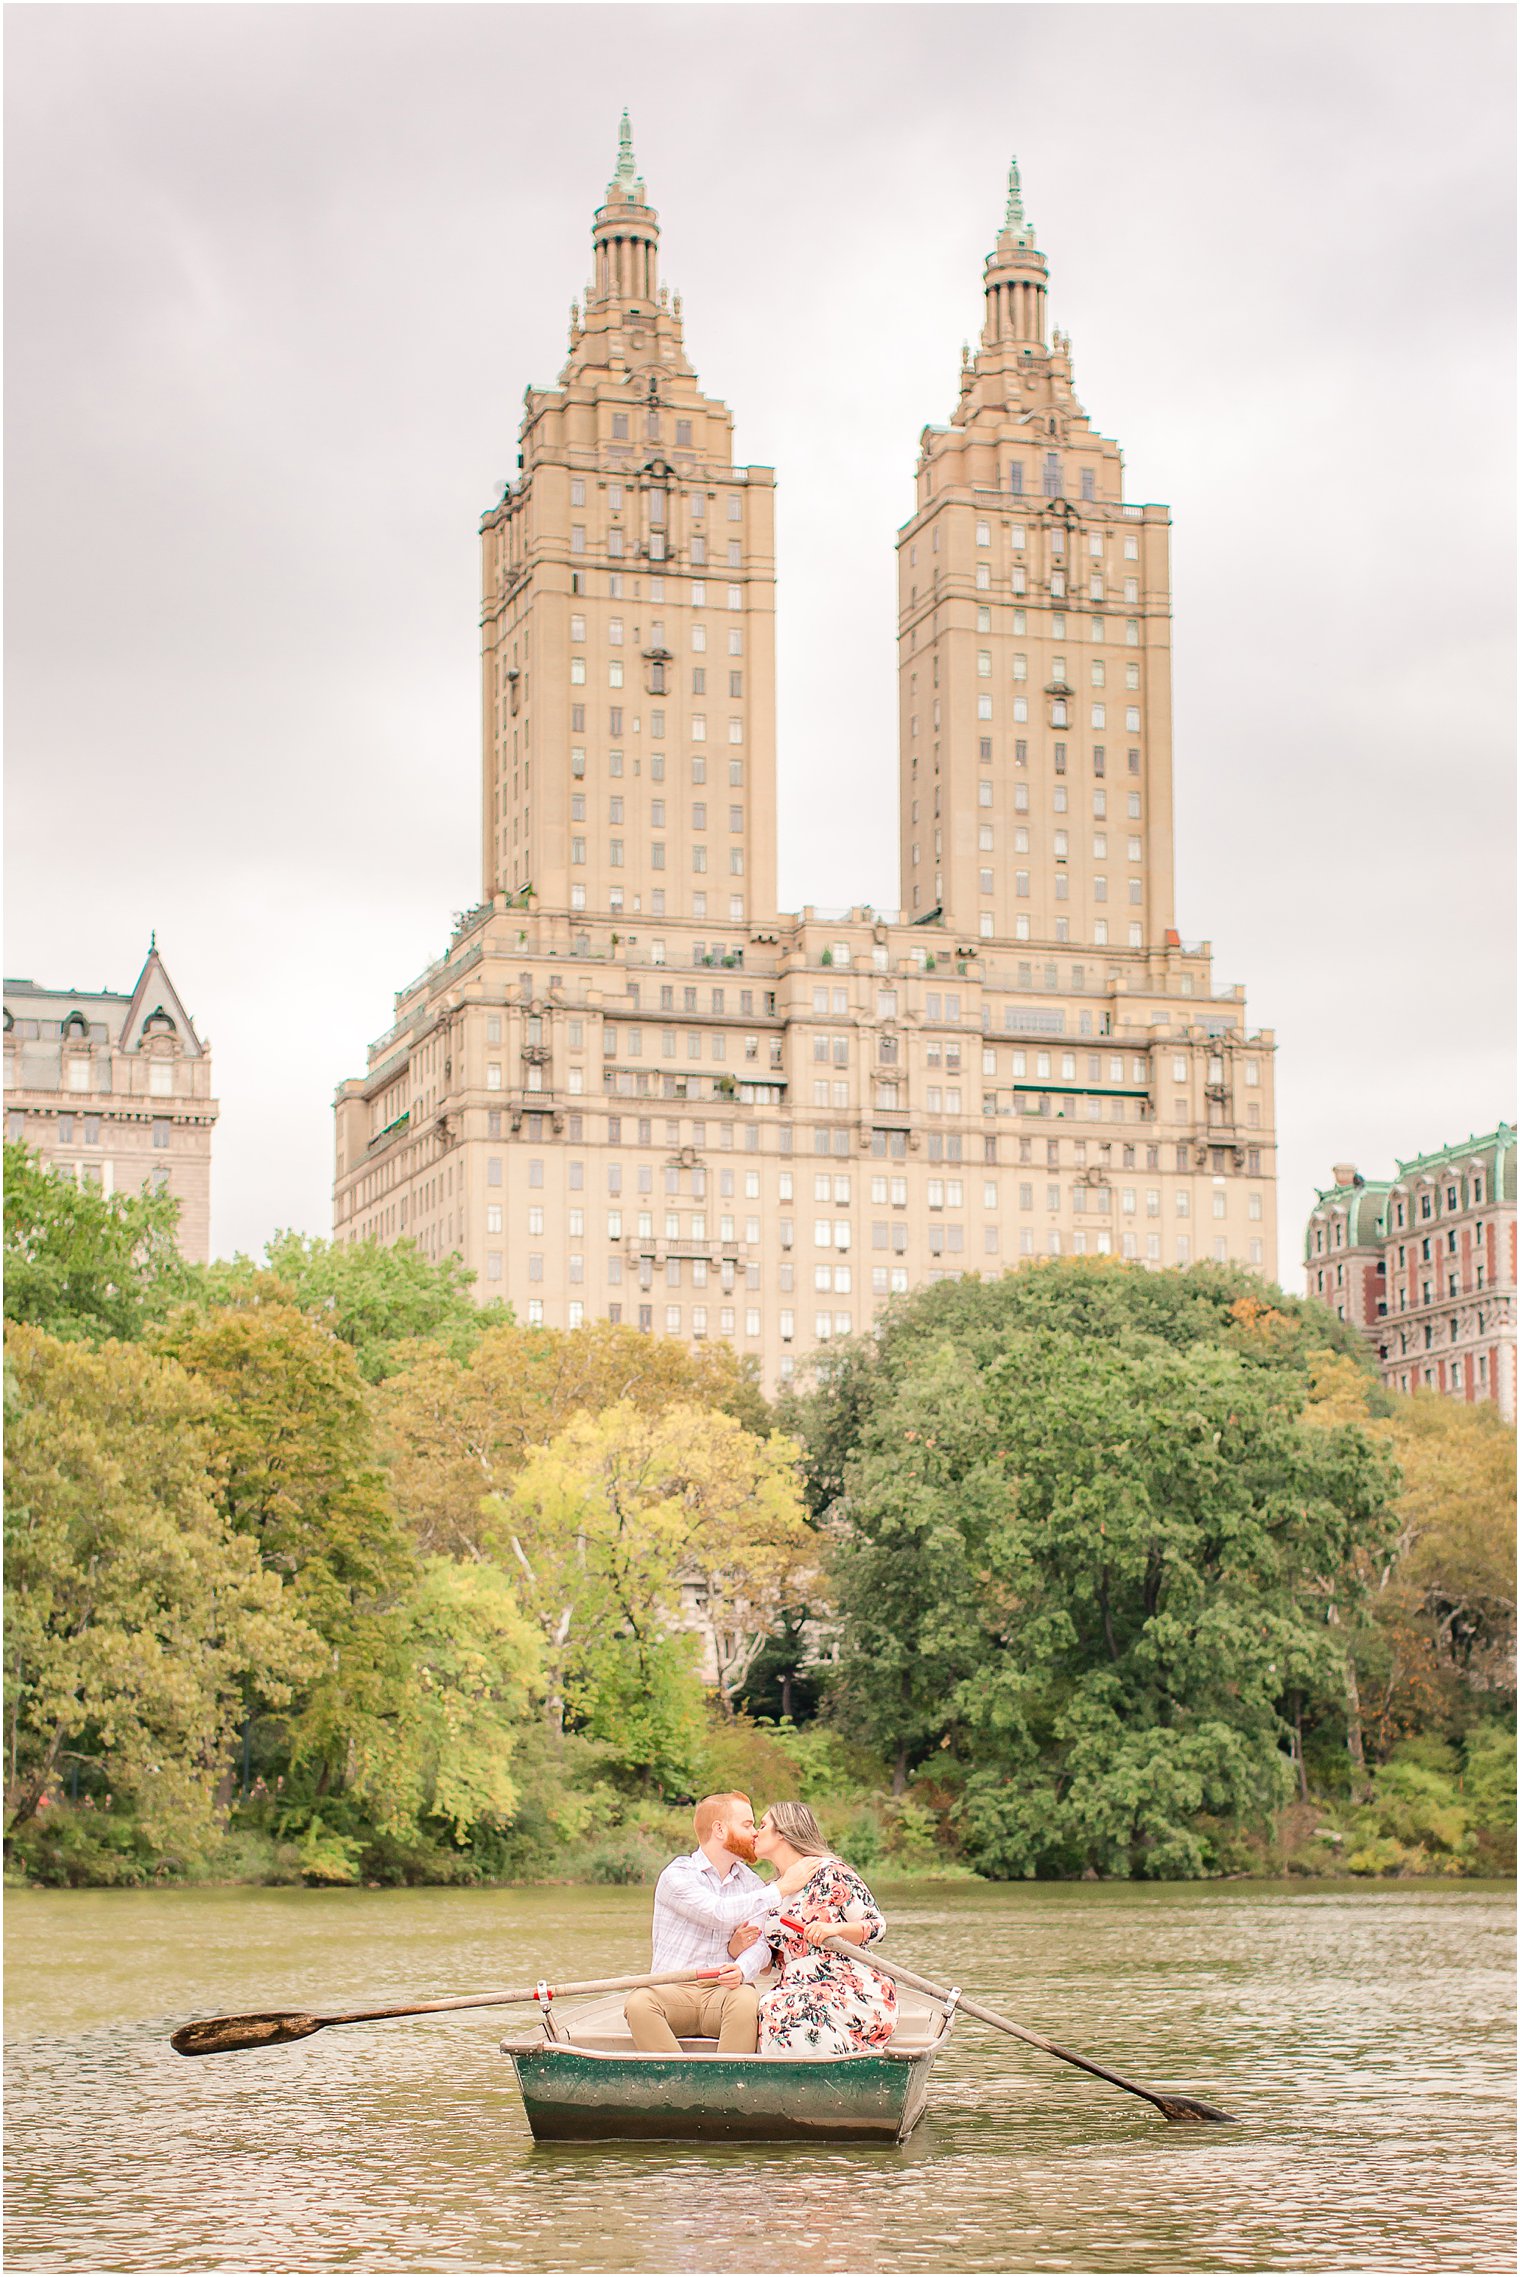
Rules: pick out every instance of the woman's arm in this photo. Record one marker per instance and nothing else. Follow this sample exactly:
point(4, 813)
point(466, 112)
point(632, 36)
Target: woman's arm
point(846, 1895)
point(853, 1932)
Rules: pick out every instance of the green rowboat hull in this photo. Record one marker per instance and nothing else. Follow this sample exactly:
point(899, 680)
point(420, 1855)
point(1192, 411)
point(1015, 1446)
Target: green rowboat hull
point(575, 2096)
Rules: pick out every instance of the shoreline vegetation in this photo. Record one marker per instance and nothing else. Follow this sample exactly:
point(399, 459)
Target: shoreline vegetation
point(320, 1573)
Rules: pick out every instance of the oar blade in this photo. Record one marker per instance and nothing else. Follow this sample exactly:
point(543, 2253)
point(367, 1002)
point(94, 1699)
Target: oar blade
point(222, 2035)
point(1188, 2111)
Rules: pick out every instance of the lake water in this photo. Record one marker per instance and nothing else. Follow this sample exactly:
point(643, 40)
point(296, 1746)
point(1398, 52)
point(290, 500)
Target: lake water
point(1363, 2035)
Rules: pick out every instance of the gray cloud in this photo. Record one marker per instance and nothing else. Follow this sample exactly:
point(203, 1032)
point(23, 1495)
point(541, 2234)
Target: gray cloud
point(278, 276)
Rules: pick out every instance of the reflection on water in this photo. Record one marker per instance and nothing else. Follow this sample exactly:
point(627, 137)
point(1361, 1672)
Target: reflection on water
point(1362, 2035)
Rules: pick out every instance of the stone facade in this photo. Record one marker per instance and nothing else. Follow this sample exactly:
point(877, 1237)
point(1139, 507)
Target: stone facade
point(1034, 653)
point(1424, 1264)
point(631, 1089)
point(115, 1091)
point(628, 615)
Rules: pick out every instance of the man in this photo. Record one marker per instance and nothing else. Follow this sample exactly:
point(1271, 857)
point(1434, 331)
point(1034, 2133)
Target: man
point(701, 1908)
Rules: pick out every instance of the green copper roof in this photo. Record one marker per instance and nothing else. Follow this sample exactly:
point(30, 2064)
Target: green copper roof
point(1441, 1155)
point(1366, 1203)
point(1365, 1206)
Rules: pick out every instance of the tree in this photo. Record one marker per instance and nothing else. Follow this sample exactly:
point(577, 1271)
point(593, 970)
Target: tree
point(135, 1614)
point(455, 1431)
point(1088, 1297)
point(382, 1299)
point(641, 1700)
point(1438, 1645)
point(467, 1672)
point(1087, 1546)
point(1456, 1513)
point(622, 1512)
point(83, 1264)
point(296, 1474)
point(915, 1505)
point(754, 1560)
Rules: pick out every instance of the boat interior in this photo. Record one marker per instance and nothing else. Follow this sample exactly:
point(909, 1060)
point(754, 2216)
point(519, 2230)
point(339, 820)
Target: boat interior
point(598, 2028)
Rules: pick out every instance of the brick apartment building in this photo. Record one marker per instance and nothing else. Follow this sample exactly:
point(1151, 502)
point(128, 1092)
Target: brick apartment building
point(1424, 1263)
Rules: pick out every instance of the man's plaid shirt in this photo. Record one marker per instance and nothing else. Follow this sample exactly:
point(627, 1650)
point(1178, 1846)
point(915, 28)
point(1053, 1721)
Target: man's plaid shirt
point(696, 1912)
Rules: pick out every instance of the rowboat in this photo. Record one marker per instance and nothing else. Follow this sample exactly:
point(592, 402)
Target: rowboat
point(583, 2080)
point(594, 2085)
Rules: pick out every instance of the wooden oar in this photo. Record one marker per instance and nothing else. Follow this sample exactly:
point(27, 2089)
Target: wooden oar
point(225, 2035)
point(1181, 2109)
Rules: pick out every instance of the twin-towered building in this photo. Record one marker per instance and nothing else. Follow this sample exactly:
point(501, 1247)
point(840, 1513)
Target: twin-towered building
point(632, 1088)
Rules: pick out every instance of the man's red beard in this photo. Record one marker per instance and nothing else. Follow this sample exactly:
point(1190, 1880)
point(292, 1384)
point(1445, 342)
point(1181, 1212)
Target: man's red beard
point(740, 1846)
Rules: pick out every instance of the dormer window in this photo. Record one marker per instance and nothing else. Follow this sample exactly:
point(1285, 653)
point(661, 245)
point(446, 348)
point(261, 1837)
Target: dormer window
point(161, 1045)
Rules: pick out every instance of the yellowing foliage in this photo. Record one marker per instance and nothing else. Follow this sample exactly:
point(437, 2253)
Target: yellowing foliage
point(623, 1512)
point(454, 1431)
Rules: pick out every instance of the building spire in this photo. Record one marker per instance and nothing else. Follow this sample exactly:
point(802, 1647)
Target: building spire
point(625, 235)
point(1014, 279)
point(626, 178)
point(1013, 218)
point(1016, 223)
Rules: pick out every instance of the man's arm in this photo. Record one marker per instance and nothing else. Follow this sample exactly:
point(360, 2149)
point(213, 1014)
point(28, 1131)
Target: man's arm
point(682, 1891)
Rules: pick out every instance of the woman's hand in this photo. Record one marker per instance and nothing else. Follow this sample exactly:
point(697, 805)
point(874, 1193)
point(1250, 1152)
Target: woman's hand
point(819, 1932)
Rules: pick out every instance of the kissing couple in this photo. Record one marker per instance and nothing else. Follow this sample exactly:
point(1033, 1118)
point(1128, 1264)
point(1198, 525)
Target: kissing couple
point(782, 1991)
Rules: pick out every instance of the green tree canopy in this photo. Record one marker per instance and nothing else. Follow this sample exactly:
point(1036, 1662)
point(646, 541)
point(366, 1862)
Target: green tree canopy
point(1087, 1298)
point(465, 1676)
point(135, 1613)
point(295, 1472)
point(382, 1299)
point(1086, 1545)
point(82, 1264)
point(296, 1468)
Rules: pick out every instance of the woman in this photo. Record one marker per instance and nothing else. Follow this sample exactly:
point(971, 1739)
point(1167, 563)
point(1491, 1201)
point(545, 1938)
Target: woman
point(824, 2004)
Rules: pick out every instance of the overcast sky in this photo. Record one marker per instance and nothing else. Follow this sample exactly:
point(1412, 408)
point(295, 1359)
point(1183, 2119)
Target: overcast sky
point(278, 276)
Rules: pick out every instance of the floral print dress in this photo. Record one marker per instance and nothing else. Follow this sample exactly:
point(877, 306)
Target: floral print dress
point(825, 2005)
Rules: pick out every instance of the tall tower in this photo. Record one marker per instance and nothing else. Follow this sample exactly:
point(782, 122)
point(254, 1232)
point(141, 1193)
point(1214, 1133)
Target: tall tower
point(628, 613)
point(629, 1089)
point(1034, 652)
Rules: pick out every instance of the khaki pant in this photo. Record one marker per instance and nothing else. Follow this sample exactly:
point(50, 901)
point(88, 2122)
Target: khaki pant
point(661, 2016)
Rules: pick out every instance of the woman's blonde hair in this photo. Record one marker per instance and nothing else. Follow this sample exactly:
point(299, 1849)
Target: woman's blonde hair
point(795, 1823)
